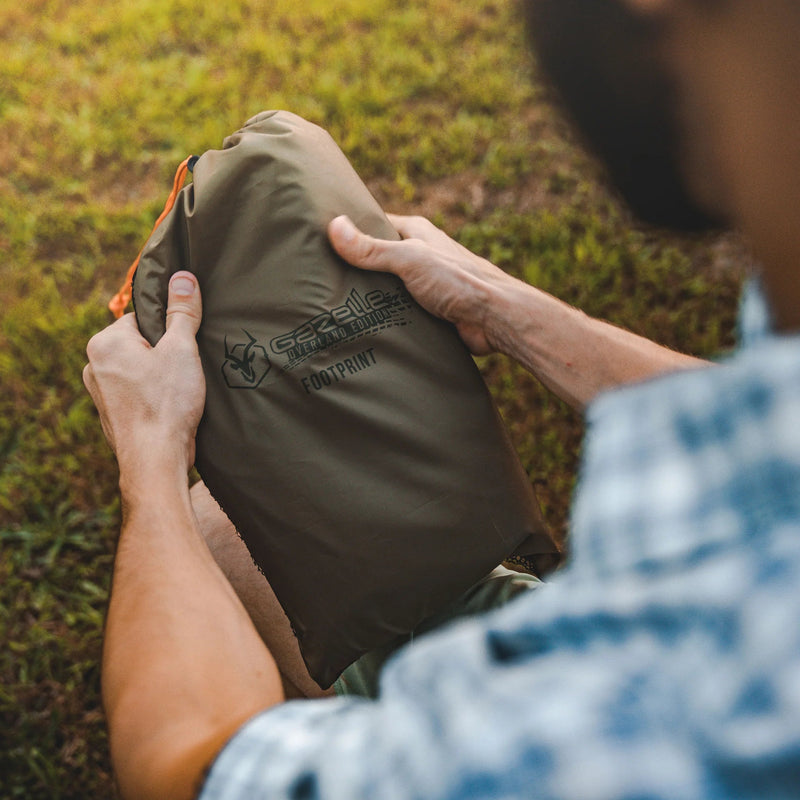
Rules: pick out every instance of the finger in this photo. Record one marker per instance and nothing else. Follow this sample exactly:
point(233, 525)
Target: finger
point(127, 321)
point(90, 382)
point(399, 223)
point(107, 342)
point(184, 305)
point(413, 227)
point(368, 252)
point(88, 378)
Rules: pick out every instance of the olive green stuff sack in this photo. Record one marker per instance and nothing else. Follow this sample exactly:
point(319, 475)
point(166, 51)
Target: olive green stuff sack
point(347, 433)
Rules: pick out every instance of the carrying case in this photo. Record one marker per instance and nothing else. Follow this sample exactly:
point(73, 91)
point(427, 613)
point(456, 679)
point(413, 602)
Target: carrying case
point(347, 433)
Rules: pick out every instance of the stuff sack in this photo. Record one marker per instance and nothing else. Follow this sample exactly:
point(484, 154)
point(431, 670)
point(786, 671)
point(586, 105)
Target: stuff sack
point(347, 433)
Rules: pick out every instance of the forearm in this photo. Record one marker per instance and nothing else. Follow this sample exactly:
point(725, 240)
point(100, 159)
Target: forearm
point(183, 666)
point(255, 593)
point(573, 354)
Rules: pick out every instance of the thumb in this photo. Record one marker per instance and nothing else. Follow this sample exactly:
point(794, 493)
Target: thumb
point(184, 306)
point(365, 251)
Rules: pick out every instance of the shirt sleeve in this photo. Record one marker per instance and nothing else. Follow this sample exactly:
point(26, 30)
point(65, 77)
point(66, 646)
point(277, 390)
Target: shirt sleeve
point(526, 701)
point(293, 749)
point(436, 731)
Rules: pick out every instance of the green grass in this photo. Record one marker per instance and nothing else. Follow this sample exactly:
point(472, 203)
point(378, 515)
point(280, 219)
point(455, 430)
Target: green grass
point(431, 100)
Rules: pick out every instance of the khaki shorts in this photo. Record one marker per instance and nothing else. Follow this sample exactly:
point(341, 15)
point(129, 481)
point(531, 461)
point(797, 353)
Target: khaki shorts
point(496, 589)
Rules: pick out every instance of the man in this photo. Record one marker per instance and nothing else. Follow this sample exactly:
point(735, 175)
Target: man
point(664, 661)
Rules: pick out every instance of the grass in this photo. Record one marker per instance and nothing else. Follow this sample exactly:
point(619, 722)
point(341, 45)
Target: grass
point(432, 101)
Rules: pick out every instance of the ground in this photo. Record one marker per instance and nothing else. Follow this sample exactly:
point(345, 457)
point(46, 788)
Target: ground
point(441, 112)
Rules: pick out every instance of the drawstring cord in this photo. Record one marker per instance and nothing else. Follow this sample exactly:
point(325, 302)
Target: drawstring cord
point(119, 302)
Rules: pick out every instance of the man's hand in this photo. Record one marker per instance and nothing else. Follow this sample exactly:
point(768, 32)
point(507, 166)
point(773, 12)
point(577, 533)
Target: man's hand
point(442, 276)
point(572, 354)
point(183, 666)
point(150, 399)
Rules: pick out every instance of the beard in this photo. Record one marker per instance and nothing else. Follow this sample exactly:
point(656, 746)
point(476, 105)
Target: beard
point(603, 61)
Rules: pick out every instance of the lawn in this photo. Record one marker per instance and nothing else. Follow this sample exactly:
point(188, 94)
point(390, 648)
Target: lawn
point(436, 104)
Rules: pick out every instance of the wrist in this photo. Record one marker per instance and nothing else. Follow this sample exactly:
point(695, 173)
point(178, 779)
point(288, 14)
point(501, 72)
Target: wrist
point(144, 475)
point(507, 313)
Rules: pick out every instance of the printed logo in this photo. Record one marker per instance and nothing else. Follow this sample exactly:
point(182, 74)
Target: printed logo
point(246, 363)
point(360, 315)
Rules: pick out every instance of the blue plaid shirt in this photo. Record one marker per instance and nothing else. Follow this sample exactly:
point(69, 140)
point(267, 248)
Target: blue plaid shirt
point(663, 662)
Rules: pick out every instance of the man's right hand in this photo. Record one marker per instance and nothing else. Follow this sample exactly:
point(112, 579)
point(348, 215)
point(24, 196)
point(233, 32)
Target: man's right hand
point(443, 277)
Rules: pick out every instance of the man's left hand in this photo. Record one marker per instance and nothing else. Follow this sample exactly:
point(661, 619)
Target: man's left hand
point(150, 399)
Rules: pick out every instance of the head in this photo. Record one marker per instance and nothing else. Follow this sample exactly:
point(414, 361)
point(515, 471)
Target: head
point(606, 60)
point(694, 105)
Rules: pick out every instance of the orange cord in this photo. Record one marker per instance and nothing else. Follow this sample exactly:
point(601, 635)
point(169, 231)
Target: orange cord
point(119, 302)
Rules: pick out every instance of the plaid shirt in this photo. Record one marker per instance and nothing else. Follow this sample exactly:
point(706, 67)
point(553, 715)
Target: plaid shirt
point(663, 662)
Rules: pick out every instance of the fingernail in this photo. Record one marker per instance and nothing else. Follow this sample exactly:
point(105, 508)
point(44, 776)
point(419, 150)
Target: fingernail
point(347, 230)
point(183, 287)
